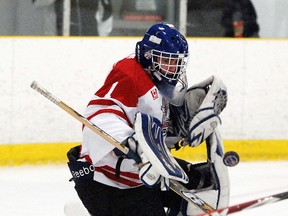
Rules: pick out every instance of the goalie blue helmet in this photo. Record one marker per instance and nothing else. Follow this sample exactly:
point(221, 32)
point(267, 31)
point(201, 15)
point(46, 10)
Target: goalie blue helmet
point(163, 53)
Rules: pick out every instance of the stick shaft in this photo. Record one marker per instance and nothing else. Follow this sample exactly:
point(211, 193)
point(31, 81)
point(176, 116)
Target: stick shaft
point(189, 196)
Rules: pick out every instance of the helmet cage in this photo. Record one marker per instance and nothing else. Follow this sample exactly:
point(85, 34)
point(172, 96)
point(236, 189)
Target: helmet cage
point(169, 66)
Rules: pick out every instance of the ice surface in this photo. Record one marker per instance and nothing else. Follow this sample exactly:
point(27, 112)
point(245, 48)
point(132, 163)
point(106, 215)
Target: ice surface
point(44, 190)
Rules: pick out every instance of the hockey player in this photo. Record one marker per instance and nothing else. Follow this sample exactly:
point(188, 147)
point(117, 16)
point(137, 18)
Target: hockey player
point(139, 93)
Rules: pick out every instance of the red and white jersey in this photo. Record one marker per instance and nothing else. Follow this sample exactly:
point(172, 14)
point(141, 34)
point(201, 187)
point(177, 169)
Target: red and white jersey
point(128, 89)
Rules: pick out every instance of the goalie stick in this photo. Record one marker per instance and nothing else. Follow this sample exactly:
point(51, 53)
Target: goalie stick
point(174, 185)
point(248, 205)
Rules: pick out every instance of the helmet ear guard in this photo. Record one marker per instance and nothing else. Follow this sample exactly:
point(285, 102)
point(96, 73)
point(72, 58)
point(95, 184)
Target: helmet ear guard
point(142, 54)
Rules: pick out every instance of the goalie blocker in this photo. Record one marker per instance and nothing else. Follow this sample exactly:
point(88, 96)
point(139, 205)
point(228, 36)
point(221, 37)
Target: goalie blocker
point(155, 154)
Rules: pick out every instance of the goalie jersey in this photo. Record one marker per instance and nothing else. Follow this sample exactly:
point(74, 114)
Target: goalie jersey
point(128, 89)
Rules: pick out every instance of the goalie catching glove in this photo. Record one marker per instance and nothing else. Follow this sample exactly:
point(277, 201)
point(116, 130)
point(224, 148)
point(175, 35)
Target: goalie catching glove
point(198, 117)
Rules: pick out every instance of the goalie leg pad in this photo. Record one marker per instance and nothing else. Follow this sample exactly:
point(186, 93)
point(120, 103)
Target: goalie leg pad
point(216, 147)
point(218, 195)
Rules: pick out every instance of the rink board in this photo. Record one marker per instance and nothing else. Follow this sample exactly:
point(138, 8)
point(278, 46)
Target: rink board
point(55, 153)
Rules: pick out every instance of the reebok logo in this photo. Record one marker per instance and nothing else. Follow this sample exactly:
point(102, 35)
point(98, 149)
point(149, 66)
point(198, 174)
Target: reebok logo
point(83, 171)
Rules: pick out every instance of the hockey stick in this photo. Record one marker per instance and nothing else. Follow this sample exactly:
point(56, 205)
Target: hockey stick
point(249, 205)
point(174, 185)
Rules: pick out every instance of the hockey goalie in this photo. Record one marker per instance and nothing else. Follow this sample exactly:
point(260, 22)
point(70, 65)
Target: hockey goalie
point(144, 104)
point(191, 124)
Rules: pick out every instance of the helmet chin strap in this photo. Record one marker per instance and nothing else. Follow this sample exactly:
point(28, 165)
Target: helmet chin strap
point(153, 73)
point(157, 75)
point(174, 92)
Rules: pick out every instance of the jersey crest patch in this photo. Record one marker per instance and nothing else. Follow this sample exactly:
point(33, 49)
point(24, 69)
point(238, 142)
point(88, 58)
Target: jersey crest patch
point(154, 94)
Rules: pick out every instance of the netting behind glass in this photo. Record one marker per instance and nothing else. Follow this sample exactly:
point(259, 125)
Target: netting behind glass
point(207, 18)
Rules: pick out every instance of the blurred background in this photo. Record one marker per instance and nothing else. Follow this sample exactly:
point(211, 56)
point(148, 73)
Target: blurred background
point(70, 45)
point(195, 18)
